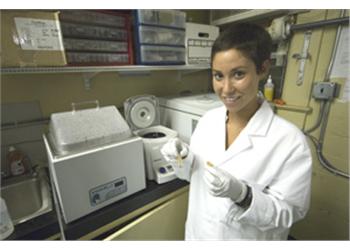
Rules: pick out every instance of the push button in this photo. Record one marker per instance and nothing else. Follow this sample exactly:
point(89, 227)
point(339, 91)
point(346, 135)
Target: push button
point(96, 198)
point(162, 170)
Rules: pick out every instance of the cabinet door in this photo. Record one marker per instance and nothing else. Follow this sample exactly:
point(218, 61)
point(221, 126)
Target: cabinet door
point(165, 222)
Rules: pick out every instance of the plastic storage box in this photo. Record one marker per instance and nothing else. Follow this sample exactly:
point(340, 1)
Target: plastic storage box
point(162, 55)
point(94, 17)
point(90, 58)
point(168, 18)
point(158, 35)
point(97, 37)
point(94, 45)
point(92, 31)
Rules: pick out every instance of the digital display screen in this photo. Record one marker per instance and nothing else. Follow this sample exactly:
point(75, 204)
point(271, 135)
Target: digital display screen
point(119, 183)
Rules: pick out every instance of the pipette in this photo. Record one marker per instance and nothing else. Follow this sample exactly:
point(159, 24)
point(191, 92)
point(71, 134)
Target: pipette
point(210, 164)
point(178, 157)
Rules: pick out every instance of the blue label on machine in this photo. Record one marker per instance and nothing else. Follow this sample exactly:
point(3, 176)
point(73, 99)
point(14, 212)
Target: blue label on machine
point(107, 191)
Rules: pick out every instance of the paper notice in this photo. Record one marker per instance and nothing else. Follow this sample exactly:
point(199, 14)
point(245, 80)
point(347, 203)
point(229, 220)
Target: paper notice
point(346, 92)
point(341, 63)
point(38, 34)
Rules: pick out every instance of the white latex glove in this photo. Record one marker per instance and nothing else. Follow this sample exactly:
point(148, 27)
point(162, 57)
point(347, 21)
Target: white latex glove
point(177, 153)
point(174, 150)
point(222, 184)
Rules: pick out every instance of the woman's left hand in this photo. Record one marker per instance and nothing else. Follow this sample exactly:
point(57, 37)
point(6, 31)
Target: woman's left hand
point(222, 184)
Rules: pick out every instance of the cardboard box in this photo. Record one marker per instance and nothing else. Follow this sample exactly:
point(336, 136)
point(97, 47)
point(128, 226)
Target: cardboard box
point(31, 38)
point(199, 41)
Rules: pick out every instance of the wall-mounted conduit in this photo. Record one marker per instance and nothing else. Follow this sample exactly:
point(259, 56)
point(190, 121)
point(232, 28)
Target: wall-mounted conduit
point(326, 104)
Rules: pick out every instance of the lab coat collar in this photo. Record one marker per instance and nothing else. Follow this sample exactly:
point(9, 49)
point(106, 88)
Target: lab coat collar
point(260, 122)
point(258, 125)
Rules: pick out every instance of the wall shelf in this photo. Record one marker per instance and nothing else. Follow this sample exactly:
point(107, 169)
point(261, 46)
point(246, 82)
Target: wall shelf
point(294, 108)
point(88, 72)
point(98, 69)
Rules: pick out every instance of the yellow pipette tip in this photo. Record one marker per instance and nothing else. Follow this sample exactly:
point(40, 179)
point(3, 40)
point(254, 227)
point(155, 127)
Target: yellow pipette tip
point(179, 160)
point(210, 164)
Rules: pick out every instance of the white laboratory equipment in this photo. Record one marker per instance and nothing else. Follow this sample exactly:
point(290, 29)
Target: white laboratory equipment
point(142, 115)
point(181, 113)
point(94, 160)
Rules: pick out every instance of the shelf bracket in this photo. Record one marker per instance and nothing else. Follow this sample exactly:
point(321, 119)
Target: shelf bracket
point(87, 76)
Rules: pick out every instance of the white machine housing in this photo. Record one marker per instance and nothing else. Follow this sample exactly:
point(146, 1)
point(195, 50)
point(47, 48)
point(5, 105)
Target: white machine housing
point(182, 113)
point(142, 115)
point(92, 177)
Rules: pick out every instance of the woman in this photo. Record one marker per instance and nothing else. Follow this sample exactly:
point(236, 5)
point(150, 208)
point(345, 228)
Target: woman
point(249, 169)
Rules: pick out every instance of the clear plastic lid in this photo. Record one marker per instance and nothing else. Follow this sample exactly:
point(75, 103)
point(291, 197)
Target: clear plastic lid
point(86, 129)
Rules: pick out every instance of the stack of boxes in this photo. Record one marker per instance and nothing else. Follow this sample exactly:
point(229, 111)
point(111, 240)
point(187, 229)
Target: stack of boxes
point(160, 37)
point(96, 37)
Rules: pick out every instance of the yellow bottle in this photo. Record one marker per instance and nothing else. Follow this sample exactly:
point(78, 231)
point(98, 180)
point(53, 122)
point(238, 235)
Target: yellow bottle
point(268, 89)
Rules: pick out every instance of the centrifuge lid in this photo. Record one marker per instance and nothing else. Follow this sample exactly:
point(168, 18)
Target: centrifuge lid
point(142, 111)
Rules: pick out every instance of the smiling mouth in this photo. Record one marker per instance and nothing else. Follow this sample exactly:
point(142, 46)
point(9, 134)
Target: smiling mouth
point(231, 99)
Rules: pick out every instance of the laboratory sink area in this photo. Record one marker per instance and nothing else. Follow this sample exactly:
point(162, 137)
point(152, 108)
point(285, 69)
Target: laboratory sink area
point(27, 196)
point(28, 200)
point(31, 206)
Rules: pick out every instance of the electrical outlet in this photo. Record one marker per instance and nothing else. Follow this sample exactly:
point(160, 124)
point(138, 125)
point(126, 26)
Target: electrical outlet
point(325, 91)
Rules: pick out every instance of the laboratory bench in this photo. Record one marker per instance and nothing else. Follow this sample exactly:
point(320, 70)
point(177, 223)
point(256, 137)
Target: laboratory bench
point(107, 221)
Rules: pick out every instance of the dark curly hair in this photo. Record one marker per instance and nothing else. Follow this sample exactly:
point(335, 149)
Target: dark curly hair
point(250, 39)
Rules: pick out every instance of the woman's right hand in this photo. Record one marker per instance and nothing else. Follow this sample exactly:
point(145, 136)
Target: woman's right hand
point(174, 150)
point(177, 153)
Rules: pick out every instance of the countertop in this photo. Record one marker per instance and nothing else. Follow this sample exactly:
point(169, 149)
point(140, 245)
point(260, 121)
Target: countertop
point(47, 225)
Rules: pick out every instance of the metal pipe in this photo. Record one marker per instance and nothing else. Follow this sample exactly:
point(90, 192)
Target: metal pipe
point(324, 162)
point(336, 21)
point(334, 51)
point(324, 122)
point(327, 165)
point(319, 148)
point(326, 106)
point(319, 119)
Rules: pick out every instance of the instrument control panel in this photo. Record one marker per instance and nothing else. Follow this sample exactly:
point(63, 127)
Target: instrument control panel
point(107, 191)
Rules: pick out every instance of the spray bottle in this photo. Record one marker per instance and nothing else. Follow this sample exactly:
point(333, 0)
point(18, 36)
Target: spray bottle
point(268, 89)
point(18, 163)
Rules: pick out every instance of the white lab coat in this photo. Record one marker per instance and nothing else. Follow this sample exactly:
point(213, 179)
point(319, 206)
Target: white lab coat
point(271, 155)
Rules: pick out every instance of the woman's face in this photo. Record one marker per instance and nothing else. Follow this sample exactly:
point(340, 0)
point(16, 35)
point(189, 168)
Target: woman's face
point(235, 80)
